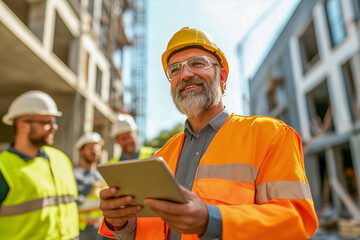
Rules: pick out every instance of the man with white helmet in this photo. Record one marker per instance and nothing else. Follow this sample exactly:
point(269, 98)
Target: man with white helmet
point(89, 183)
point(124, 133)
point(37, 185)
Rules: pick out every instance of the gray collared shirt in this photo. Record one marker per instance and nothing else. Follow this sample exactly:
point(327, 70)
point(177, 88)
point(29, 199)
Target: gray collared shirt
point(193, 149)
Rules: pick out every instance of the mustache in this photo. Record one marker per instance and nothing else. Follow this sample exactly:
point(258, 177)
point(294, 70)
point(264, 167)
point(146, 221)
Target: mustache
point(190, 81)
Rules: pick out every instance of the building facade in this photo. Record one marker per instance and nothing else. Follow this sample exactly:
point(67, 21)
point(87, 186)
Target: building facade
point(311, 80)
point(65, 48)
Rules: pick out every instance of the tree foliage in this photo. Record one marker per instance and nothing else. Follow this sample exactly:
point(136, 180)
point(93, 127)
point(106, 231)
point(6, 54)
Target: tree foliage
point(164, 135)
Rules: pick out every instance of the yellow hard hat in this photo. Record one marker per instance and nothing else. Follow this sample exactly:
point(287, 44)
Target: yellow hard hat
point(187, 38)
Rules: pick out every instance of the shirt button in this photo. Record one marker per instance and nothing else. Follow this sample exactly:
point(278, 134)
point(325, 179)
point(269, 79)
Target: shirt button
point(197, 153)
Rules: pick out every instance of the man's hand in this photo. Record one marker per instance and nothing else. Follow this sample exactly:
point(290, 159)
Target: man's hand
point(189, 218)
point(116, 210)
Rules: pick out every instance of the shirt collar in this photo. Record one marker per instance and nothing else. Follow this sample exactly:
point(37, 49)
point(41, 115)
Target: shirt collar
point(25, 157)
point(215, 123)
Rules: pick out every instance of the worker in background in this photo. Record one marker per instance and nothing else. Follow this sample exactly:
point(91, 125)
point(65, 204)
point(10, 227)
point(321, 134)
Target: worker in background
point(124, 133)
point(37, 185)
point(243, 176)
point(89, 183)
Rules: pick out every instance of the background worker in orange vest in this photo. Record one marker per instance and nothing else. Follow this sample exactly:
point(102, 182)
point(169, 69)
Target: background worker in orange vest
point(243, 176)
point(124, 133)
point(89, 183)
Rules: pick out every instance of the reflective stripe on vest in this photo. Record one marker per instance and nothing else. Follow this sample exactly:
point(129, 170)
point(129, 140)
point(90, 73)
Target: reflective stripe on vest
point(36, 204)
point(241, 172)
point(268, 191)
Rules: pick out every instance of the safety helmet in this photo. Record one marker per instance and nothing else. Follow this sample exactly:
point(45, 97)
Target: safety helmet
point(124, 123)
point(31, 103)
point(187, 38)
point(90, 137)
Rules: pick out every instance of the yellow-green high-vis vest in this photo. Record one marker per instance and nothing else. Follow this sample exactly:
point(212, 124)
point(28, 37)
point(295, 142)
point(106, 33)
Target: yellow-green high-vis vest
point(40, 203)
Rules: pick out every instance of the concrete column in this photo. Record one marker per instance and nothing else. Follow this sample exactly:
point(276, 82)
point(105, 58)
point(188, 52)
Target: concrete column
point(313, 175)
point(49, 26)
point(355, 155)
point(89, 117)
point(347, 11)
point(78, 112)
point(97, 16)
point(332, 173)
point(295, 55)
point(341, 114)
point(105, 88)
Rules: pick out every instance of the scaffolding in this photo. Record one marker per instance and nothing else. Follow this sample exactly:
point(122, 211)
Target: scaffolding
point(138, 67)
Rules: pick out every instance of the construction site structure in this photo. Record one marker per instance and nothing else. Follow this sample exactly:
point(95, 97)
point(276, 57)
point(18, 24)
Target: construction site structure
point(65, 48)
point(310, 79)
point(138, 67)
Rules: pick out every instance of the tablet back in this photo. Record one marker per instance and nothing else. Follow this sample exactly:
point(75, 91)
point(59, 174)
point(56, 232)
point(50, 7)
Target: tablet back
point(143, 178)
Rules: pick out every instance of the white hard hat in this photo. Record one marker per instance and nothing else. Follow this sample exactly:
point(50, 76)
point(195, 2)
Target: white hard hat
point(29, 103)
point(124, 123)
point(91, 137)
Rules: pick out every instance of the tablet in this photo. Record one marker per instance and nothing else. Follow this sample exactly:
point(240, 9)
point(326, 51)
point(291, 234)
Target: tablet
point(143, 178)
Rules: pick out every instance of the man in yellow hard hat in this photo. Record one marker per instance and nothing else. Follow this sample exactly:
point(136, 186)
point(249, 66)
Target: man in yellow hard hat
point(124, 133)
point(37, 185)
point(89, 183)
point(243, 177)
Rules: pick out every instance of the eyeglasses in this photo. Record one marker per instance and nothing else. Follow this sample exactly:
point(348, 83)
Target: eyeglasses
point(42, 122)
point(194, 64)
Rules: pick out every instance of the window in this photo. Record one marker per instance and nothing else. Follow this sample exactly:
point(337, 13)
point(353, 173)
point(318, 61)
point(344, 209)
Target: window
point(76, 6)
point(63, 40)
point(275, 93)
point(320, 115)
point(357, 7)
point(91, 8)
point(98, 81)
point(104, 28)
point(335, 21)
point(308, 47)
point(326, 196)
point(346, 169)
point(86, 67)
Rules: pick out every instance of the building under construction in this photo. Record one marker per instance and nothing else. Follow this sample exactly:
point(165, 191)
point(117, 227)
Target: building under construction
point(138, 67)
point(311, 80)
point(66, 49)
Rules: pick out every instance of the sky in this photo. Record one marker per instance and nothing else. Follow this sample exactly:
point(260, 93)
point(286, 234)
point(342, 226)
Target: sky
point(256, 23)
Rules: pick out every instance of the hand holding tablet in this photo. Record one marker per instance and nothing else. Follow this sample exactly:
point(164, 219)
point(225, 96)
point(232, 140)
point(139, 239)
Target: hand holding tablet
point(143, 178)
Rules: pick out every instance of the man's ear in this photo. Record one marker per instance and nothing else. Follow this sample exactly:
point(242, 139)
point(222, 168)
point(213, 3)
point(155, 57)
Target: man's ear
point(20, 126)
point(223, 79)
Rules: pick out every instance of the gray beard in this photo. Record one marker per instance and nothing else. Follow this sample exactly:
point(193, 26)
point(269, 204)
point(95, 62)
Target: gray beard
point(195, 103)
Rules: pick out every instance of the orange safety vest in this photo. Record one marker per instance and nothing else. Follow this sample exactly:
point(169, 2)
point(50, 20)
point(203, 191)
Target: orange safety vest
point(253, 171)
